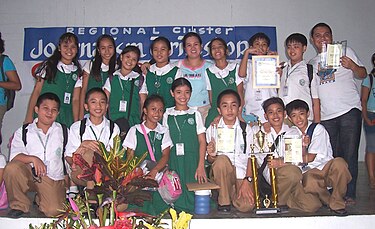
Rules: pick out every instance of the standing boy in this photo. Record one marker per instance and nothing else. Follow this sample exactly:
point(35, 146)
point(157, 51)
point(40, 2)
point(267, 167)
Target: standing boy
point(259, 45)
point(85, 135)
point(288, 176)
point(320, 169)
point(295, 81)
point(231, 169)
point(340, 105)
point(37, 165)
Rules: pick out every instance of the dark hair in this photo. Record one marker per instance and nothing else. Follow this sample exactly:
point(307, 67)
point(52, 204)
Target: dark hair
point(191, 34)
point(373, 63)
point(50, 64)
point(48, 96)
point(150, 99)
point(97, 61)
point(129, 48)
point(272, 100)
point(162, 39)
point(228, 92)
point(296, 104)
point(296, 37)
point(2, 49)
point(221, 40)
point(180, 82)
point(259, 36)
point(92, 91)
point(320, 24)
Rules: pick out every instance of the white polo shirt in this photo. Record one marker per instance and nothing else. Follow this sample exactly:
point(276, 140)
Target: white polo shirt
point(102, 132)
point(238, 158)
point(36, 140)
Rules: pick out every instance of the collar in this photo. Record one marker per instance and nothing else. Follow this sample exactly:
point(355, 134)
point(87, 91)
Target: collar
point(101, 125)
point(34, 127)
point(66, 68)
point(223, 125)
point(104, 67)
point(131, 75)
point(172, 111)
point(160, 71)
point(222, 72)
point(159, 128)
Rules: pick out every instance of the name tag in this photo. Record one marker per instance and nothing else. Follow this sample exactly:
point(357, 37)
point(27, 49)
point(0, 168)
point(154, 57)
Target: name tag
point(123, 105)
point(180, 151)
point(67, 97)
point(285, 91)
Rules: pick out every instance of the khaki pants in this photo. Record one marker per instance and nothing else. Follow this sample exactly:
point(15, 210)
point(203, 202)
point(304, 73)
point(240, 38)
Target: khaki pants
point(19, 181)
point(291, 191)
point(334, 174)
point(224, 174)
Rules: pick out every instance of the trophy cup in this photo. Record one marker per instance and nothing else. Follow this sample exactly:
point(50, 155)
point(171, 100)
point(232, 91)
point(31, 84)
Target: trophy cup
point(267, 206)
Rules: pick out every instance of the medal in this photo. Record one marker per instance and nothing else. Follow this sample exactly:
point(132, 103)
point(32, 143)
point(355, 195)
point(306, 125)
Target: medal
point(157, 84)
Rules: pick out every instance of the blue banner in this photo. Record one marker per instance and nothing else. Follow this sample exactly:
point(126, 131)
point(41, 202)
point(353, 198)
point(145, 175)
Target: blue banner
point(39, 43)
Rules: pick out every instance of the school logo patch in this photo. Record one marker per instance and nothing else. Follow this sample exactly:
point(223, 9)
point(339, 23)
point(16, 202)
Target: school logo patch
point(74, 76)
point(136, 83)
point(191, 121)
point(158, 136)
point(302, 82)
point(58, 152)
point(231, 80)
point(169, 80)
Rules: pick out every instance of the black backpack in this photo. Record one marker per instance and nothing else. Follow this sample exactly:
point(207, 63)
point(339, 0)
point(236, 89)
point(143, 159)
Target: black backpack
point(65, 141)
point(10, 95)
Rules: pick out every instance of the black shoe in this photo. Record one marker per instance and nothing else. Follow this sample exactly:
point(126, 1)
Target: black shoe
point(223, 208)
point(340, 212)
point(15, 213)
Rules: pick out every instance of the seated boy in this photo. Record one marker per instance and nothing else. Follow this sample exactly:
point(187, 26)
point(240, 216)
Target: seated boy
point(231, 170)
point(297, 76)
point(84, 135)
point(38, 165)
point(288, 176)
point(258, 45)
point(322, 170)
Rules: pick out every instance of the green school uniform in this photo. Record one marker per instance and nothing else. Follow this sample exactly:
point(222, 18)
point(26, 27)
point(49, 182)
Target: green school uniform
point(217, 86)
point(62, 86)
point(157, 204)
point(161, 85)
point(93, 83)
point(120, 91)
point(185, 165)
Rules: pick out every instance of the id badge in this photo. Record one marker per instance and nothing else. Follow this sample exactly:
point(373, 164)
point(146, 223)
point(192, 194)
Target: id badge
point(180, 149)
point(258, 95)
point(67, 97)
point(285, 91)
point(122, 106)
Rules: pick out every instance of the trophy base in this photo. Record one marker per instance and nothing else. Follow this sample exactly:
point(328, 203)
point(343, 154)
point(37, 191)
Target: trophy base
point(263, 211)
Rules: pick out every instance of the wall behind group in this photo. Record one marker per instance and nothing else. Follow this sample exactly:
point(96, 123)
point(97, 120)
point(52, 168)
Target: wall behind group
point(350, 20)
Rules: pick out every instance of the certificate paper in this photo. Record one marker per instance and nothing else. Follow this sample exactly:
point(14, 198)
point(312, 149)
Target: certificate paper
point(293, 149)
point(225, 140)
point(264, 72)
point(334, 53)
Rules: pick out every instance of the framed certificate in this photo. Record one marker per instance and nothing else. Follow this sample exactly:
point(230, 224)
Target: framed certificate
point(334, 53)
point(292, 149)
point(264, 72)
point(225, 142)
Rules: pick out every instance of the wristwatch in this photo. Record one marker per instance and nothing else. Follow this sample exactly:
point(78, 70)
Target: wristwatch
point(249, 179)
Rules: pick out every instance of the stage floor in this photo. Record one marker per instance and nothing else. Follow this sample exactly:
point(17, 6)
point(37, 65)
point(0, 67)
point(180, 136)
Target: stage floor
point(361, 214)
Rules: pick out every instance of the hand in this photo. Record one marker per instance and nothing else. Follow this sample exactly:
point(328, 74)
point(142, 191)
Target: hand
point(40, 167)
point(91, 145)
point(145, 67)
point(305, 140)
point(269, 52)
point(267, 127)
point(200, 175)
point(254, 51)
point(275, 163)
point(348, 63)
point(152, 174)
point(211, 148)
point(216, 120)
point(245, 191)
point(369, 122)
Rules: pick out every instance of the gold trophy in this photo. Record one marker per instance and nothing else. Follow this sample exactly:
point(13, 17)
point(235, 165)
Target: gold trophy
point(267, 206)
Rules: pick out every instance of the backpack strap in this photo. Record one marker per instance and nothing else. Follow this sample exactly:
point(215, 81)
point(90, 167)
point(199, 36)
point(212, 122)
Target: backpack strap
point(243, 127)
point(131, 97)
point(111, 128)
point(371, 76)
point(2, 58)
point(310, 73)
point(82, 127)
point(24, 132)
point(65, 141)
point(310, 130)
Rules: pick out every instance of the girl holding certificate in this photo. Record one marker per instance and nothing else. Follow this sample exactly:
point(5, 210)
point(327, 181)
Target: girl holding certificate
point(189, 149)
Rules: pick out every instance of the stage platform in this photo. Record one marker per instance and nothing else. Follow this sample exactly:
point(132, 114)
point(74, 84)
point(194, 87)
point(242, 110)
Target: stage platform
point(361, 215)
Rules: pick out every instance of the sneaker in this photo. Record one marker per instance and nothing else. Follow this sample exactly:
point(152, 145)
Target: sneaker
point(223, 208)
point(15, 213)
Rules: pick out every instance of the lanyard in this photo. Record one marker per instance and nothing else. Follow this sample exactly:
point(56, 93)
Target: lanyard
point(67, 78)
point(152, 141)
point(44, 145)
point(101, 131)
point(222, 79)
point(178, 127)
point(289, 73)
point(122, 87)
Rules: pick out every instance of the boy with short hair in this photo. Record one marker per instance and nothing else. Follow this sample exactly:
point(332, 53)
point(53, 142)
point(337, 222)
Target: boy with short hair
point(258, 45)
point(321, 170)
point(95, 128)
point(295, 80)
point(288, 176)
point(231, 170)
point(38, 165)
